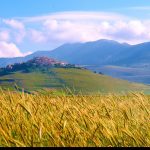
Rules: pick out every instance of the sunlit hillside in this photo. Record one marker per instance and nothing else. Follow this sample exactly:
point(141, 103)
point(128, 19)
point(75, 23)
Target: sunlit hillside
point(43, 72)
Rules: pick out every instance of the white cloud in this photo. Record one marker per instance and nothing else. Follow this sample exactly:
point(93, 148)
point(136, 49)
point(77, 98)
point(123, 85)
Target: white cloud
point(82, 31)
point(9, 50)
point(137, 27)
point(14, 23)
point(37, 36)
point(4, 35)
point(51, 24)
point(140, 8)
point(87, 26)
point(134, 31)
point(68, 31)
point(76, 16)
point(18, 29)
point(70, 27)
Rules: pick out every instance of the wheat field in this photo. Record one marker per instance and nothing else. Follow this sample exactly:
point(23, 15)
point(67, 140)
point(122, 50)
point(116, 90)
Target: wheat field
point(45, 120)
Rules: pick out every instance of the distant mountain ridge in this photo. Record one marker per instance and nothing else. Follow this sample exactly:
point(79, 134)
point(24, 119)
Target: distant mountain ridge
point(101, 52)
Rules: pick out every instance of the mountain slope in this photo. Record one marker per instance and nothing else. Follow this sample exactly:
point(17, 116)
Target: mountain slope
point(98, 52)
point(136, 55)
point(101, 52)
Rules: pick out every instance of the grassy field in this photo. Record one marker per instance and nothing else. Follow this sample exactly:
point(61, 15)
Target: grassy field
point(50, 120)
point(78, 80)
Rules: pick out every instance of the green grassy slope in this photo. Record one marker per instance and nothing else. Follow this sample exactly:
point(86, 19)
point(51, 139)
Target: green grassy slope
point(77, 79)
point(87, 81)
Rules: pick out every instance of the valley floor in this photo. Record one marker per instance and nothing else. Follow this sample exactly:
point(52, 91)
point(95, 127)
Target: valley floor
point(132, 74)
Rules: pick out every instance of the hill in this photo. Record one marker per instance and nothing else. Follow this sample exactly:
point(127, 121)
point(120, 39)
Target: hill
point(38, 76)
point(101, 53)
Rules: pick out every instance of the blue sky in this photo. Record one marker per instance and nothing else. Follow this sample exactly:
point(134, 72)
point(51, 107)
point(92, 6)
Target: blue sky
point(30, 25)
point(13, 8)
point(34, 7)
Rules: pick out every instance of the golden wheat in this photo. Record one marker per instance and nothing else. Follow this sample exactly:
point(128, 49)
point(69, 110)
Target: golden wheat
point(73, 121)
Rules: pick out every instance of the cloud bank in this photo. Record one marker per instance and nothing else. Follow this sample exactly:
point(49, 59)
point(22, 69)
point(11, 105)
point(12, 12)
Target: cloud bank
point(69, 27)
point(10, 50)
